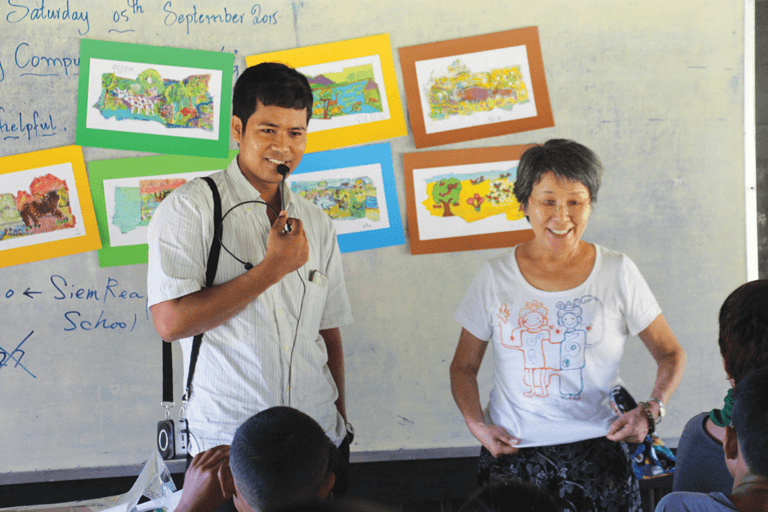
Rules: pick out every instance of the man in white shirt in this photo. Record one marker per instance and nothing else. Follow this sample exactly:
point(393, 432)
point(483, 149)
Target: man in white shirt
point(271, 319)
point(746, 455)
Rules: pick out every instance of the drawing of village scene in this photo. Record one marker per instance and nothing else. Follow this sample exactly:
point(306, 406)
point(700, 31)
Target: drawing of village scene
point(183, 103)
point(473, 196)
point(350, 91)
point(45, 208)
point(134, 206)
point(459, 92)
point(342, 199)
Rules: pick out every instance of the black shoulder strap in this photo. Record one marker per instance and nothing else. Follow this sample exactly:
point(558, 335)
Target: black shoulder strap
point(210, 274)
point(213, 256)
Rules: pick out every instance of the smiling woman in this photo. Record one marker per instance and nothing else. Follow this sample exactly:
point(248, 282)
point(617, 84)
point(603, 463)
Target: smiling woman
point(558, 210)
point(559, 310)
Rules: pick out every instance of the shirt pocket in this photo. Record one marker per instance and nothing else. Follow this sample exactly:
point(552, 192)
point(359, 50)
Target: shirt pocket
point(314, 305)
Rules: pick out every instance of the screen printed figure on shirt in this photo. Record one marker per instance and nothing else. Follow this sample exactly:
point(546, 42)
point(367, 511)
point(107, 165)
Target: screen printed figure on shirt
point(549, 351)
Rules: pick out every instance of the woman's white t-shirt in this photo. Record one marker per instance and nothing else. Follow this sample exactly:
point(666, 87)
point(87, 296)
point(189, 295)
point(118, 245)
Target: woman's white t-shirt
point(557, 353)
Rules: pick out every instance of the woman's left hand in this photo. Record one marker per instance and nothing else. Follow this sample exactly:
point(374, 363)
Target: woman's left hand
point(631, 427)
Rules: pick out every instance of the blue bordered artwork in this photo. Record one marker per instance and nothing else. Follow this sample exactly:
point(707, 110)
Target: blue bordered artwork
point(356, 188)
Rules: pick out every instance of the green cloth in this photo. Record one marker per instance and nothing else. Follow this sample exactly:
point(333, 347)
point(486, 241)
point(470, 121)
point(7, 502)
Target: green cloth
point(722, 417)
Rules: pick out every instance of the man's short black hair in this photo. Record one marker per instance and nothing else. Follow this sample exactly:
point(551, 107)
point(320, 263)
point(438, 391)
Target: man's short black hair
point(278, 457)
point(270, 83)
point(505, 495)
point(743, 334)
point(750, 419)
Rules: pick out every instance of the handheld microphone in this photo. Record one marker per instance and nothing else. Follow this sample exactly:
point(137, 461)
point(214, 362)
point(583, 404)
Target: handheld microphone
point(283, 170)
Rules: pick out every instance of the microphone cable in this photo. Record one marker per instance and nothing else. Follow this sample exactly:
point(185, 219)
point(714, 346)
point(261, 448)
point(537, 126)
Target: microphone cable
point(248, 266)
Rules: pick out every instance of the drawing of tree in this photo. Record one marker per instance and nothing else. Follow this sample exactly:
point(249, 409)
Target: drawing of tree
point(150, 79)
point(108, 81)
point(445, 193)
point(176, 94)
point(198, 87)
point(326, 97)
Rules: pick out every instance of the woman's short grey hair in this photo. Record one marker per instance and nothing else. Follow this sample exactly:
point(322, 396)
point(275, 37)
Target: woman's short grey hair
point(566, 158)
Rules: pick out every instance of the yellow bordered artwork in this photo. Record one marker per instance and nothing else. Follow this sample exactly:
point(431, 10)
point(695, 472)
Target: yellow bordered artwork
point(356, 99)
point(46, 209)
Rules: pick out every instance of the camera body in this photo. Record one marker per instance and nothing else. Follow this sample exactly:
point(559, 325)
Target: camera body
point(172, 439)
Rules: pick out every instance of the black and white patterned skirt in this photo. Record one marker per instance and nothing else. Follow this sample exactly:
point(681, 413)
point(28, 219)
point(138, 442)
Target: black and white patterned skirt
point(592, 475)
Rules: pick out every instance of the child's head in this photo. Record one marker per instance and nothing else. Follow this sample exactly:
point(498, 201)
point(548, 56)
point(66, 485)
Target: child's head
point(510, 496)
point(743, 335)
point(750, 421)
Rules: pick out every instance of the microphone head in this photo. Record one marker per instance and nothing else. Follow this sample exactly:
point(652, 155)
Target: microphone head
point(283, 170)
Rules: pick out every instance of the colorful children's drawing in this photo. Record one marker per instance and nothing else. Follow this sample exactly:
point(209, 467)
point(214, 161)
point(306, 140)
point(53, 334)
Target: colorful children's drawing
point(355, 90)
point(342, 199)
point(529, 337)
point(459, 92)
point(183, 103)
point(472, 87)
point(153, 192)
point(134, 206)
point(473, 196)
point(539, 342)
point(351, 91)
point(44, 209)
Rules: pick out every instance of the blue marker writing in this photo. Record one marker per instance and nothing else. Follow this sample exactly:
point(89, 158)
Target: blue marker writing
point(134, 7)
point(43, 13)
point(267, 19)
point(35, 61)
point(36, 128)
point(16, 356)
point(102, 323)
point(172, 18)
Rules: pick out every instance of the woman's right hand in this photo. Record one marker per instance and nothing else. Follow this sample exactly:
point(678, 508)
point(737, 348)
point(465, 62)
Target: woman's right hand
point(495, 439)
point(464, 367)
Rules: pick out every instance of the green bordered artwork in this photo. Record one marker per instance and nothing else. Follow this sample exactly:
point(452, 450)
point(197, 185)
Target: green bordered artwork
point(154, 99)
point(126, 192)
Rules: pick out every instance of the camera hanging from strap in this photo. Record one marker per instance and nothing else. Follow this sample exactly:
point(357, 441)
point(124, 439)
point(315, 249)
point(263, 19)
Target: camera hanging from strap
point(210, 274)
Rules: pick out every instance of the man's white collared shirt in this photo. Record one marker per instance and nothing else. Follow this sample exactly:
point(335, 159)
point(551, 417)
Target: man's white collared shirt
point(258, 358)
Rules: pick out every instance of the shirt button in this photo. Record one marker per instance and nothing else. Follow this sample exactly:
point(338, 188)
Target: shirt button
point(279, 311)
point(286, 348)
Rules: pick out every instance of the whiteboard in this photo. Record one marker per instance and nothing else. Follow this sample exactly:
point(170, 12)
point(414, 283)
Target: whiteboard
point(656, 89)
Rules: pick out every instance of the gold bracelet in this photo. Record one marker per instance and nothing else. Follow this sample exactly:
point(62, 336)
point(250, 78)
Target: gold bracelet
point(649, 417)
